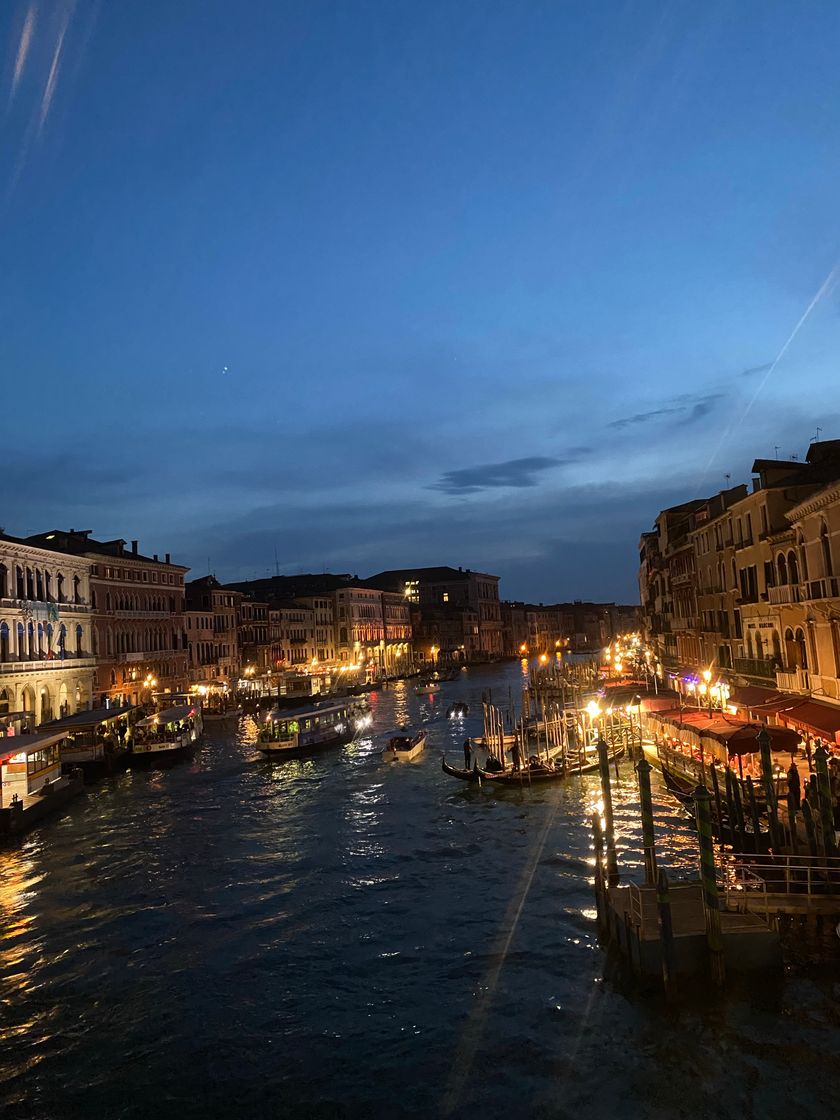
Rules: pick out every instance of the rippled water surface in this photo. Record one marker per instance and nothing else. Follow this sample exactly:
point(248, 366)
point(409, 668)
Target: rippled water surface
point(342, 937)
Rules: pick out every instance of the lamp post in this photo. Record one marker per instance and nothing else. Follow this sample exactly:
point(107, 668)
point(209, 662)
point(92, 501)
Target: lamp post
point(707, 678)
point(594, 710)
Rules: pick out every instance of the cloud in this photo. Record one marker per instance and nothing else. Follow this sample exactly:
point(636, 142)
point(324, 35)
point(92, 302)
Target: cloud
point(644, 417)
point(753, 370)
point(687, 406)
point(517, 473)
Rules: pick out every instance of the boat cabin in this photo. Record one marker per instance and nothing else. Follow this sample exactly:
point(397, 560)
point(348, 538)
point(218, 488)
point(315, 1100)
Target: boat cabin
point(172, 726)
point(28, 762)
point(92, 735)
point(304, 725)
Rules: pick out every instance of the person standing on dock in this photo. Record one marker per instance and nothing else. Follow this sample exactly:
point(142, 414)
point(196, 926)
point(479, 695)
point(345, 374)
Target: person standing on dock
point(467, 754)
point(516, 755)
point(794, 790)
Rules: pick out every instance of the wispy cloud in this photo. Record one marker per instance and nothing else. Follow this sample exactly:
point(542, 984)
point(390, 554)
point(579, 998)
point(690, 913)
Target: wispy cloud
point(55, 66)
point(689, 408)
point(516, 473)
point(753, 370)
point(23, 50)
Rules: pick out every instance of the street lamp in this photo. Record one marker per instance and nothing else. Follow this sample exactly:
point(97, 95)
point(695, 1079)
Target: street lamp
point(707, 677)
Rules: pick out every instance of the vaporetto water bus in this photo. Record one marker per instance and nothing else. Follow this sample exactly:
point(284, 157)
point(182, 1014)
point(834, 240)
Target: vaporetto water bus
point(167, 735)
point(303, 731)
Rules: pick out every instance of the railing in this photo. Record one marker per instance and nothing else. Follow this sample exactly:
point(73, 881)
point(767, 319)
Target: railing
point(69, 661)
point(689, 623)
point(43, 605)
point(826, 588)
point(765, 670)
point(794, 680)
point(801, 877)
point(140, 614)
point(786, 593)
point(148, 655)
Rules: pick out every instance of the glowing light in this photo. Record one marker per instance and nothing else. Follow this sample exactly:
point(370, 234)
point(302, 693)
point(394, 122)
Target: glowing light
point(594, 709)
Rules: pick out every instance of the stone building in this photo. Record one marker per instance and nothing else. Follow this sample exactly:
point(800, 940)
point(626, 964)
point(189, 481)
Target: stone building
point(206, 595)
point(47, 664)
point(460, 592)
point(137, 604)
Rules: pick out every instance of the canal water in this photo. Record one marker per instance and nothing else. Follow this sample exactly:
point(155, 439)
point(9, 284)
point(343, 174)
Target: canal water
point(341, 937)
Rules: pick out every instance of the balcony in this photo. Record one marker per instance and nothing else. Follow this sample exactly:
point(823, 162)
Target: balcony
point(761, 668)
point(826, 588)
point(149, 655)
point(45, 665)
point(688, 623)
point(40, 606)
point(786, 593)
point(794, 680)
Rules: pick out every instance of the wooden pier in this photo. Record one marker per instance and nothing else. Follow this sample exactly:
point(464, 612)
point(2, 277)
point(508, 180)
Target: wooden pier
point(731, 918)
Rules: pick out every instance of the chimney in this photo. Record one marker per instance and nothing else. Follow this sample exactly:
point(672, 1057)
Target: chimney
point(166, 561)
point(155, 556)
point(134, 545)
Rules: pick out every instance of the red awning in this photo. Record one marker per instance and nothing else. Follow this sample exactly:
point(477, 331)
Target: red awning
point(811, 716)
point(739, 736)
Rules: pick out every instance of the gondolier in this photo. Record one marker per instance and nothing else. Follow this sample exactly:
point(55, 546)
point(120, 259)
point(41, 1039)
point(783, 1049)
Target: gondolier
point(467, 754)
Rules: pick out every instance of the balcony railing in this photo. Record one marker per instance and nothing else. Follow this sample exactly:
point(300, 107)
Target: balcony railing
point(689, 623)
point(826, 588)
point(47, 665)
point(786, 593)
point(794, 680)
point(42, 605)
point(761, 668)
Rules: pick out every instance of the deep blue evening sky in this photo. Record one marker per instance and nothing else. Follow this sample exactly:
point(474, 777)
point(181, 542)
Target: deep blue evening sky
point(390, 283)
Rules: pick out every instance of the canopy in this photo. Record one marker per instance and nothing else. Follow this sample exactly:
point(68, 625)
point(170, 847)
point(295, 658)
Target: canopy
point(739, 736)
point(168, 715)
point(86, 719)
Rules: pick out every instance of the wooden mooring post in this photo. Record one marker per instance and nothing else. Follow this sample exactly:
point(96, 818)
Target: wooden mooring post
point(606, 797)
point(711, 903)
point(776, 838)
point(666, 933)
point(643, 769)
point(826, 808)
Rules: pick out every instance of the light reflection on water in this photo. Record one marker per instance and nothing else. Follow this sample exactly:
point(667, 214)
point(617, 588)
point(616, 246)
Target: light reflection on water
point(278, 934)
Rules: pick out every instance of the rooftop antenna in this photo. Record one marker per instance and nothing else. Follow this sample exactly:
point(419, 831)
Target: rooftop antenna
point(776, 449)
point(276, 562)
point(816, 438)
point(728, 478)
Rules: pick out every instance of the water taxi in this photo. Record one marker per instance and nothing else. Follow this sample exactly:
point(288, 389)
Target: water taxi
point(302, 731)
point(430, 688)
point(402, 748)
point(167, 736)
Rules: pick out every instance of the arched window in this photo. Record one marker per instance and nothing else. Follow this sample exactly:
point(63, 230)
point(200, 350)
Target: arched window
point(20, 585)
point(59, 587)
point(801, 648)
point(78, 640)
point(781, 567)
point(825, 551)
point(793, 567)
point(4, 642)
point(4, 702)
point(803, 556)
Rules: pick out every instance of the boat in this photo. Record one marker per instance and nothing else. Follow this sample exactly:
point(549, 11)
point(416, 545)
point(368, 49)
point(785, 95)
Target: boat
point(96, 741)
point(536, 771)
point(458, 710)
point(402, 748)
point(427, 689)
point(167, 735)
point(304, 731)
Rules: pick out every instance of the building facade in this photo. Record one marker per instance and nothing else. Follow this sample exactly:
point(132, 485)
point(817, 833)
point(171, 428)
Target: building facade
point(206, 596)
point(47, 663)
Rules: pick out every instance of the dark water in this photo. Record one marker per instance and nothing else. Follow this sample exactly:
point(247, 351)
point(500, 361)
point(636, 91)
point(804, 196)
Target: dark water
point(346, 938)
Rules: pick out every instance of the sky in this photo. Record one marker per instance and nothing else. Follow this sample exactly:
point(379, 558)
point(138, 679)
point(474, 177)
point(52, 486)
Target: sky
point(357, 285)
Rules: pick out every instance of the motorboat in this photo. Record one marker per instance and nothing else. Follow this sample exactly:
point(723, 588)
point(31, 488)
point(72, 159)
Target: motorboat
point(402, 748)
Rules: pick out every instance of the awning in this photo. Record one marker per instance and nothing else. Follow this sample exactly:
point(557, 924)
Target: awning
point(26, 744)
point(86, 719)
point(168, 715)
point(822, 720)
point(739, 736)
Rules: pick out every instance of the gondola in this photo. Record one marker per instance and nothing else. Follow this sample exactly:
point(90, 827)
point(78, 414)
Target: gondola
point(536, 772)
